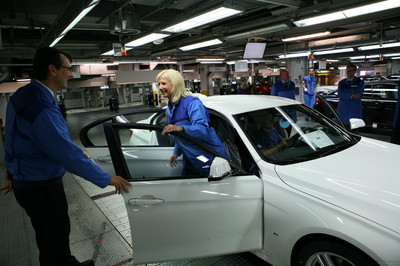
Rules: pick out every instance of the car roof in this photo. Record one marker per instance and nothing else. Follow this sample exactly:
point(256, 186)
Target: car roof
point(237, 104)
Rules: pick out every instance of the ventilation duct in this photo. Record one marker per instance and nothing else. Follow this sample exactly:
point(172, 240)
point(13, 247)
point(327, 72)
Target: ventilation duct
point(125, 23)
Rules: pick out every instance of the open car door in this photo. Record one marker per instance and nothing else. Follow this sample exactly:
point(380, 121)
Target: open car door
point(177, 217)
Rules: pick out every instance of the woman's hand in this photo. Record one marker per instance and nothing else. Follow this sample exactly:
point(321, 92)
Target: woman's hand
point(172, 160)
point(171, 128)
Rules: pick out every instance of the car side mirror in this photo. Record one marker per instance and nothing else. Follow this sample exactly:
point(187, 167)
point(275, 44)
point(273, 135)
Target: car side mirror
point(356, 123)
point(219, 168)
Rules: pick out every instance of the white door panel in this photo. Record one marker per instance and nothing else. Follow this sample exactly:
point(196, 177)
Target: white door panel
point(185, 218)
point(101, 156)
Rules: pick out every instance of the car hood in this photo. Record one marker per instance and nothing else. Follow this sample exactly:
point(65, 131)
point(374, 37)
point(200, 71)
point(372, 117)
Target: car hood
point(363, 179)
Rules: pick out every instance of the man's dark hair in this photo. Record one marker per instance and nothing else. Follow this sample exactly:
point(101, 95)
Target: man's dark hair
point(311, 68)
point(45, 57)
point(353, 66)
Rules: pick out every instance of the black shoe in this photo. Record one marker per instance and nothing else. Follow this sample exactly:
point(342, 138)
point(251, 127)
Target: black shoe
point(88, 263)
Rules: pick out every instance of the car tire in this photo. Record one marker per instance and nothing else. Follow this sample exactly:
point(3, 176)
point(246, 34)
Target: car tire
point(321, 253)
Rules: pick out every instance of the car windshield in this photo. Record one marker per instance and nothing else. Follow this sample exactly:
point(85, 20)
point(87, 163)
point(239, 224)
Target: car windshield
point(294, 133)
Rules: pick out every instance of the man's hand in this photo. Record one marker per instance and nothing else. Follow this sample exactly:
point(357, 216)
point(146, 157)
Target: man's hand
point(283, 143)
point(356, 95)
point(171, 128)
point(9, 187)
point(119, 183)
point(172, 160)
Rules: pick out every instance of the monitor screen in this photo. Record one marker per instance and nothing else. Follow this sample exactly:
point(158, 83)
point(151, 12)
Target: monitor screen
point(254, 50)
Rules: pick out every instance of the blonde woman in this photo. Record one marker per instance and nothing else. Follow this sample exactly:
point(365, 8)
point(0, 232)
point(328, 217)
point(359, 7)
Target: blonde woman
point(188, 114)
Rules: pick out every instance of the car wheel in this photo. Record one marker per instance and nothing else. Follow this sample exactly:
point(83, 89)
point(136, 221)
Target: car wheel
point(322, 253)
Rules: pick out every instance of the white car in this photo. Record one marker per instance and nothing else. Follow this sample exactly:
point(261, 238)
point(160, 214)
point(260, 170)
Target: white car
point(329, 198)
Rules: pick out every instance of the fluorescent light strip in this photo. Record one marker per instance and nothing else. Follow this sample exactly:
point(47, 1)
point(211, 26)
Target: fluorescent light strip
point(211, 16)
point(308, 36)
point(395, 58)
point(146, 39)
point(364, 57)
point(389, 55)
point(371, 8)
point(78, 18)
point(294, 55)
point(335, 51)
point(200, 45)
point(210, 59)
point(378, 46)
point(349, 13)
point(332, 60)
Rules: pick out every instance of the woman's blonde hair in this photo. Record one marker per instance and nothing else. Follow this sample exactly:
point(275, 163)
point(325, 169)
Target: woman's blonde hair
point(176, 80)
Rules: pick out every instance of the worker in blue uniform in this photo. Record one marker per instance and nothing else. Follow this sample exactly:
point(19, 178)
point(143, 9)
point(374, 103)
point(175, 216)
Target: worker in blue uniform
point(309, 85)
point(188, 114)
point(38, 151)
point(350, 91)
point(396, 120)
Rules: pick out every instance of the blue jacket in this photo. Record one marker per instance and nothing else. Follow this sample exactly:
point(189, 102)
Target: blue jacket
point(311, 83)
point(190, 113)
point(397, 110)
point(281, 89)
point(349, 107)
point(38, 147)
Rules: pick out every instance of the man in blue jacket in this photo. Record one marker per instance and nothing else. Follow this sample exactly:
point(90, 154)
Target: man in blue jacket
point(350, 91)
point(284, 87)
point(39, 150)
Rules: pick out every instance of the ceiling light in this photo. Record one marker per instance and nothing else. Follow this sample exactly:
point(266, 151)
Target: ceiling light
point(200, 45)
point(335, 51)
point(111, 52)
point(371, 8)
point(309, 36)
point(349, 13)
point(389, 55)
point(378, 46)
point(364, 57)
point(209, 59)
point(256, 32)
point(395, 57)
point(332, 60)
point(320, 19)
point(78, 18)
point(294, 55)
point(146, 39)
point(211, 16)
point(209, 62)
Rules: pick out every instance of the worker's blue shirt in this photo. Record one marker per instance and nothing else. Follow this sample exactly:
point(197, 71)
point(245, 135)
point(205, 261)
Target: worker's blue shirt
point(311, 83)
point(349, 107)
point(397, 109)
point(283, 89)
point(38, 147)
point(190, 113)
point(268, 140)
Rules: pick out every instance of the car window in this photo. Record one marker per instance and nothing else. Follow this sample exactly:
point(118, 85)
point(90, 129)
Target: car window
point(385, 91)
point(94, 133)
point(292, 134)
point(147, 154)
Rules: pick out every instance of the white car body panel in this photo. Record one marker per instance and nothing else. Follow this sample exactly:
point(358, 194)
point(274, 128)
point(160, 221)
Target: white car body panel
point(194, 217)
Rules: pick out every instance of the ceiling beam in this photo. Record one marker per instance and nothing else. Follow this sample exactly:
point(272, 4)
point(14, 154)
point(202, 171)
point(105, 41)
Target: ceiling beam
point(291, 3)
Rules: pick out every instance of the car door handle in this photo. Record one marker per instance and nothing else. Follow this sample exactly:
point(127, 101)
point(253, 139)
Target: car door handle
point(144, 201)
point(105, 159)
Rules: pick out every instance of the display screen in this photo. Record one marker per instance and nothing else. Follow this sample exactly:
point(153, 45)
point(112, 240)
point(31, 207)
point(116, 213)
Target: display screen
point(254, 50)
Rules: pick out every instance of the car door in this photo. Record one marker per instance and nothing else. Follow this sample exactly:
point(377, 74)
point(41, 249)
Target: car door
point(92, 136)
point(177, 217)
